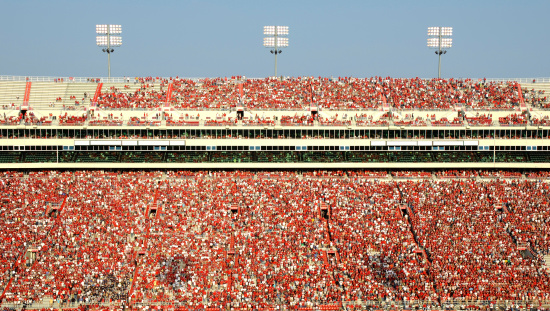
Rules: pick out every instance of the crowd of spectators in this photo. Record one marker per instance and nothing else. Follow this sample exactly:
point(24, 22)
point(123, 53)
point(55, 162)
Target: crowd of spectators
point(32, 119)
point(543, 120)
point(140, 121)
point(410, 122)
point(105, 122)
point(302, 93)
point(146, 97)
point(259, 239)
point(72, 120)
point(11, 120)
point(536, 98)
point(446, 122)
point(324, 174)
point(265, 121)
point(513, 119)
point(499, 174)
point(457, 174)
point(537, 174)
point(471, 243)
point(483, 120)
point(334, 121)
point(297, 120)
point(220, 122)
point(528, 214)
point(411, 174)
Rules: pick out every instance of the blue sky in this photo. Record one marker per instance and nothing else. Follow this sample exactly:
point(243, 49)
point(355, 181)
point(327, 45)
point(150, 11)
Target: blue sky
point(493, 39)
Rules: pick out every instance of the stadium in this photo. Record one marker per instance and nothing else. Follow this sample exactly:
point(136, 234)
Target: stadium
point(279, 193)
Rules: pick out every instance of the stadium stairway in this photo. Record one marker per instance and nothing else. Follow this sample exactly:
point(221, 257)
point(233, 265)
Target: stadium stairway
point(547, 263)
point(27, 95)
point(131, 290)
point(324, 256)
point(405, 211)
point(329, 253)
point(522, 105)
point(139, 253)
point(152, 210)
point(169, 96)
point(524, 249)
point(6, 288)
point(97, 93)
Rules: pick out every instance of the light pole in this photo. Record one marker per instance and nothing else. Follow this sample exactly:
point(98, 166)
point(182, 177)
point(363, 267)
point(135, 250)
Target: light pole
point(276, 38)
point(440, 39)
point(108, 41)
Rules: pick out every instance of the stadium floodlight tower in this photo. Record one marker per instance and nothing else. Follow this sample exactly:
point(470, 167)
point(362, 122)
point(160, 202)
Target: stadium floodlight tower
point(106, 40)
point(440, 39)
point(276, 39)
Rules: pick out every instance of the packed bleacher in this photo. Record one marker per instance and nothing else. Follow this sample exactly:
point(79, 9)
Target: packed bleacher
point(473, 252)
point(273, 238)
point(144, 97)
point(301, 93)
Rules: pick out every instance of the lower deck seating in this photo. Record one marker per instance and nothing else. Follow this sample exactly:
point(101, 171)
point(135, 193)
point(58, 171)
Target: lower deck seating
point(215, 238)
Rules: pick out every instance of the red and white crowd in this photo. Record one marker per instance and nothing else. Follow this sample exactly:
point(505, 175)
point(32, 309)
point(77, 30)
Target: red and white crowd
point(260, 239)
point(473, 242)
point(302, 93)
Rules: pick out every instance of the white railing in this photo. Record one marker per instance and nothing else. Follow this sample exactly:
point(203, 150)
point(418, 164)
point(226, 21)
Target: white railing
point(77, 79)
point(59, 79)
point(519, 80)
point(132, 79)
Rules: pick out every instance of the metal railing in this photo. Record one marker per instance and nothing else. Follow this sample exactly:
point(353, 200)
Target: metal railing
point(132, 79)
point(519, 80)
point(79, 79)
